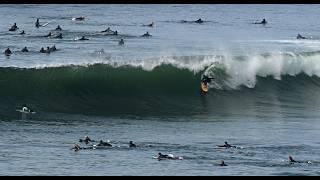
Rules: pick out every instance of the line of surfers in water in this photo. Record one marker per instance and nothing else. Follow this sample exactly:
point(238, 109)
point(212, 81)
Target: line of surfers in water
point(159, 156)
point(8, 52)
point(14, 27)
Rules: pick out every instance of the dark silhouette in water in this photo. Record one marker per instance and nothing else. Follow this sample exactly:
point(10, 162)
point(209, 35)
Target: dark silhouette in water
point(14, 27)
point(37, 24)
point(7, 52)
point(81, 18)
point(22, 33)
point(146, 34)
point(226, 145)
point(150, 25)
point(25, 49)
point(222, 164)
point(25, 108)
point(262, 22)
point(292, 161)
point(53, 48)
point(199, 21)
point(86, 140)
point(107, 30)
point(300, 37)
point(160, 155)
point(121, 42)
point(42, 50)
point(58, 28)
point(101, 143)
point(131, 144)
point(169, 156)
point(83, 39)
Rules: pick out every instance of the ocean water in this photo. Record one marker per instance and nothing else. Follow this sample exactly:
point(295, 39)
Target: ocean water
point(264, 97)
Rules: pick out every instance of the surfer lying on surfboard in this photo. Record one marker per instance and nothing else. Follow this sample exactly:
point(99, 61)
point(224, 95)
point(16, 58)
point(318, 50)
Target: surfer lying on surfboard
point(169, 156)
point(226, 145)
point(26, 109)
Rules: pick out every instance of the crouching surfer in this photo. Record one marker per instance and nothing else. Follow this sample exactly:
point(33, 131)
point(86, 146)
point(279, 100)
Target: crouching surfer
point(204, 83)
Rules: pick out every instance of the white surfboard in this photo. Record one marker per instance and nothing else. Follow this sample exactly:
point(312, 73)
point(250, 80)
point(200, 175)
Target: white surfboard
point(45, 24)
point(26, 112)
point(172, 157)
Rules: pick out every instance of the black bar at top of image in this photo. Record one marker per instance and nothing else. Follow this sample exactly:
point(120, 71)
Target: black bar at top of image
point(158, 2)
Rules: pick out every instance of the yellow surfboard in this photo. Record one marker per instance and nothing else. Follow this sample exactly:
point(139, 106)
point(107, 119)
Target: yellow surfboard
point(204, 87)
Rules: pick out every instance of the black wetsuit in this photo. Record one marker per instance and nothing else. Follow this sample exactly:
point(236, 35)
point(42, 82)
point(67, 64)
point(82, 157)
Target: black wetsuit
point(83, 39)
point(86, 140)
point(291, 160)
point(37, 24)
point(7, 52)
point(226, 145)
point(13, 28)
point(262, 22)
point(199, 21)
point(162, 155)
point(300, 37)
point(121, 42)
point(80, 18)
point(53, 48)
point(108, 30)
point(25, 50)
point(132, 145)
point(104, 144)
point(146, 35)
point(205, 79)
point(42, 50)
point(58, 28)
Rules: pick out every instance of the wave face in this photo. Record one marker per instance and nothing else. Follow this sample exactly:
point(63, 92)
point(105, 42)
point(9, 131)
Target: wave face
point(168, 87)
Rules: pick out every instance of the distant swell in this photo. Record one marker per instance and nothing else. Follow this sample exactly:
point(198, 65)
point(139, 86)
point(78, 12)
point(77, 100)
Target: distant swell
point(168, 89)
